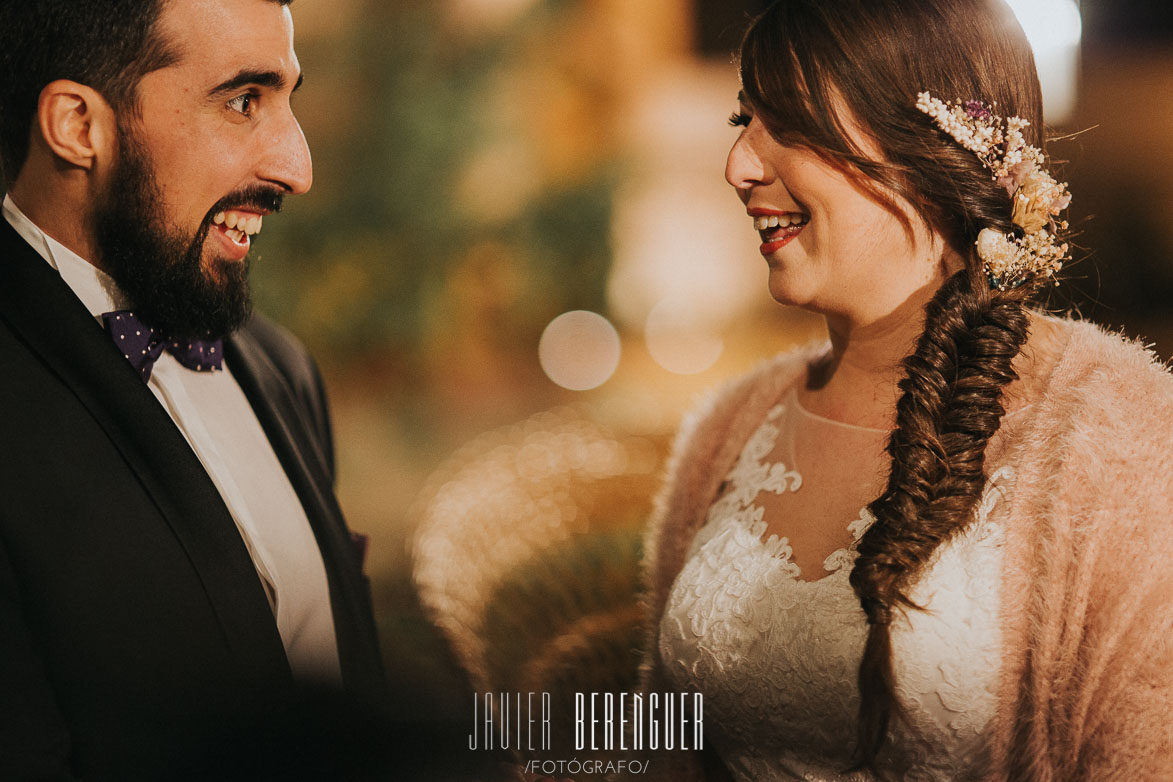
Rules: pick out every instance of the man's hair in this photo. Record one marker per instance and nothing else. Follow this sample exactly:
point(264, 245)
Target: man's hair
point(108, 45)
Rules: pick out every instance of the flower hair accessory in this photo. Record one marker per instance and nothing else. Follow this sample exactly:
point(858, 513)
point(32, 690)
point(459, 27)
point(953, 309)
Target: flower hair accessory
point(1019, 167)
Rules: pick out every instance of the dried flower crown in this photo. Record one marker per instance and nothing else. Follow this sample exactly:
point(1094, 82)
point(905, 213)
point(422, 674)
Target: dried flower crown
point(1009, 260)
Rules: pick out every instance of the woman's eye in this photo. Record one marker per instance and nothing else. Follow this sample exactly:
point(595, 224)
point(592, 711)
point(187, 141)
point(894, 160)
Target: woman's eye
point(242, 104)
point(739, 119)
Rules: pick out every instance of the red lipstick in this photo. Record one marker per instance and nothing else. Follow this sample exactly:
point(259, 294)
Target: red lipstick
point(776, 237)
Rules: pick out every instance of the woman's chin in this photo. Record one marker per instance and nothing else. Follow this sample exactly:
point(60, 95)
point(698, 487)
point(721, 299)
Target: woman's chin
point(785, 290)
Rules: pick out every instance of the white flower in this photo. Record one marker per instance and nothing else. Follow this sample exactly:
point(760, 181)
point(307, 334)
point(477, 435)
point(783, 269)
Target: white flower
point(1037, 198)
point(991, 245)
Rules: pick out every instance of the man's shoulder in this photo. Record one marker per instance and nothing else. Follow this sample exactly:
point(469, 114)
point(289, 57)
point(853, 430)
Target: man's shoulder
point(285, 353)
point(274, 350)
point(277, 343)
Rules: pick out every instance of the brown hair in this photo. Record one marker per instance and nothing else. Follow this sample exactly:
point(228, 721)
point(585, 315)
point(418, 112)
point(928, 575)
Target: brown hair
point(808, 66)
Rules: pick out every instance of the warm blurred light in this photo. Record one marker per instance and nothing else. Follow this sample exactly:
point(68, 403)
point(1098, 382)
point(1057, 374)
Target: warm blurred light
point(1054, 29)
point(671, 240)
point(510, 497)
point(677, 342)
point(498, 182)
point(579, 350)
point(488, 13)
point(1049, 24)
point(679, 232)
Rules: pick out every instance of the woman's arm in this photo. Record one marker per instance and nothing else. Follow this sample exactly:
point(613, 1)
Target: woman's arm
point(1088, 688)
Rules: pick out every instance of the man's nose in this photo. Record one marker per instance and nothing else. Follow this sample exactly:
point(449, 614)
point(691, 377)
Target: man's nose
point(286, 159)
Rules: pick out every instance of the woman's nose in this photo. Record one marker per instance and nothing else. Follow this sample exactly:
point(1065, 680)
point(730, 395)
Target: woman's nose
point(743, 168)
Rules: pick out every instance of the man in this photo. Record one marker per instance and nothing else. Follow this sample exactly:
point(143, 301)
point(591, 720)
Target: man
point(171, 553)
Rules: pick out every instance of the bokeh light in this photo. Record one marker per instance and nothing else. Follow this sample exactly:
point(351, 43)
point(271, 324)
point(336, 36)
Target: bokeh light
point(579, 350)
point(677, 341)
point(1054, 29)
point(492, 14)
point(679, 231)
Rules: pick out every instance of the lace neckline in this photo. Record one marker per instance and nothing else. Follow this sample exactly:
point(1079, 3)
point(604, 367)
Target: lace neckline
point(778, 547)
point(792, 398)
point(753, 474)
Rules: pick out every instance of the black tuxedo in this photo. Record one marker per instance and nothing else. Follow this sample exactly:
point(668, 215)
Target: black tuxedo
point(132, 620)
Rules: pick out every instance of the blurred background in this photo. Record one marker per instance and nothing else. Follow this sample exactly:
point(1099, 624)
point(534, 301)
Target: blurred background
point(520, 264)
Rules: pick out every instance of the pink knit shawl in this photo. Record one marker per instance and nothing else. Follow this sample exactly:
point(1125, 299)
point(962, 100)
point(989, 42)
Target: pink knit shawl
point(1086, 686)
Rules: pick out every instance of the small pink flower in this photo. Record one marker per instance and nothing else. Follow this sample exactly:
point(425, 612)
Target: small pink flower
point(976, 109)
point(1017, 176)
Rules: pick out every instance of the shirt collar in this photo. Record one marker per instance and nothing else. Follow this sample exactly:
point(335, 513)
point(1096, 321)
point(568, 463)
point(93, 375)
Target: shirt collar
point(96, 289)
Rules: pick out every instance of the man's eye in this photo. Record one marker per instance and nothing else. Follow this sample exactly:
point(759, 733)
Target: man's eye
point(242, 104)
point(739, 119)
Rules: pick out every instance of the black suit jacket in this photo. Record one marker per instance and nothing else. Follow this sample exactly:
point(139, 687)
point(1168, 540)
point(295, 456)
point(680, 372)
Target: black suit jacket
point(133, 624)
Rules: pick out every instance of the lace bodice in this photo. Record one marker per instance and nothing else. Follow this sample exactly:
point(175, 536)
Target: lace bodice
point(776, 656)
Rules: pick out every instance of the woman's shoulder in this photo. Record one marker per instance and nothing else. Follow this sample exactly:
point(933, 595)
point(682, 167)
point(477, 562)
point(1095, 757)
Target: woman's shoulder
point(1105, 417)
point(1087, 549)
point(1100, 371)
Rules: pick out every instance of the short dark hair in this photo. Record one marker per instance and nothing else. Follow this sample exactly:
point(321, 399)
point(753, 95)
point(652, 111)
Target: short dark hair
point(108, 45)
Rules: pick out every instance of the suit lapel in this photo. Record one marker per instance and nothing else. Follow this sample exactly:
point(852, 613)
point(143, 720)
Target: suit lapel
point(46, 315)
point(284, 423)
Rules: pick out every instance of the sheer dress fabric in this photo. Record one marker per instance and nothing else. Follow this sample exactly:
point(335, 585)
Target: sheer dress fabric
point(776, 652)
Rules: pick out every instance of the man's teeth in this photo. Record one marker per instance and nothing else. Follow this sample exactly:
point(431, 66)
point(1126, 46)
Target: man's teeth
point(244, 223)
point(765, 222)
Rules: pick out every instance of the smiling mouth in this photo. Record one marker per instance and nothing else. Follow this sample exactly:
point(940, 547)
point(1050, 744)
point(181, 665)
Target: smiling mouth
point(777, 229)
point(238, 226)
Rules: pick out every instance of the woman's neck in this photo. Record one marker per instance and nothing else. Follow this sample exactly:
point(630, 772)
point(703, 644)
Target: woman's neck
point(857, 381)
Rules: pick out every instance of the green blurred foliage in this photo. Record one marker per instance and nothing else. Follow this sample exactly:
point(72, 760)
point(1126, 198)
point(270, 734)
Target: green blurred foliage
point(368, 262)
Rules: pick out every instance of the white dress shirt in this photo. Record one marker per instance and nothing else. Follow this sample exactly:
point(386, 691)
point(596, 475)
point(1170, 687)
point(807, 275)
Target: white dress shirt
point(214, 416)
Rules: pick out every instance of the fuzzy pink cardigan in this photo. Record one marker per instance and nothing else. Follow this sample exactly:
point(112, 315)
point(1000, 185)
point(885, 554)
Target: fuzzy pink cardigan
point(1086, 686)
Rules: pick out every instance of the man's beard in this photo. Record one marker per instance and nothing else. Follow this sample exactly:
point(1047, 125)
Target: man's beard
point(157, 267)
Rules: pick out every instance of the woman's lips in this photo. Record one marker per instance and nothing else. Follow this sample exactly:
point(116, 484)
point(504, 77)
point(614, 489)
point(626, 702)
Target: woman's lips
point(777, 228)
point(775, 238)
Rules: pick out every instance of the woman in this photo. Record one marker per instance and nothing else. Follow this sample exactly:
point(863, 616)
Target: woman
point(1002, 607)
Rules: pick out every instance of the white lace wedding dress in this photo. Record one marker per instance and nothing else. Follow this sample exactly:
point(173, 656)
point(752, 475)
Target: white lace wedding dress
point(776, 656)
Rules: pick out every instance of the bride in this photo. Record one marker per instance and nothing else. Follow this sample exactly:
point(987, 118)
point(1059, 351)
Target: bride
point(936, 546)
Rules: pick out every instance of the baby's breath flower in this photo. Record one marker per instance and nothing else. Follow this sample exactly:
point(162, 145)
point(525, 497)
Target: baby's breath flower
point(1037, 198)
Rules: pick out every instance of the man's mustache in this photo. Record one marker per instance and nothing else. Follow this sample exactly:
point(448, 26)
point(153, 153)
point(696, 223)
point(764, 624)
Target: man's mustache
point(257, 198)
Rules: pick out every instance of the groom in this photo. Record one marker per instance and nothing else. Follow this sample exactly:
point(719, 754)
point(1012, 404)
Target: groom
point(173, 563)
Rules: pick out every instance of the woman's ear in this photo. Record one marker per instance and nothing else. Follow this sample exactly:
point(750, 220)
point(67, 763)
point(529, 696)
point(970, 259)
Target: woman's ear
point(77, 124)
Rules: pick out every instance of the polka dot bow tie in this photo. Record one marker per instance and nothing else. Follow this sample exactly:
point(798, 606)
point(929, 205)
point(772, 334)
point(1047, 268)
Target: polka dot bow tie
point(142, 345)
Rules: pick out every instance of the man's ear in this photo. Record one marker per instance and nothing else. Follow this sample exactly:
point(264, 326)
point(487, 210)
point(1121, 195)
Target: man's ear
point(77, 123)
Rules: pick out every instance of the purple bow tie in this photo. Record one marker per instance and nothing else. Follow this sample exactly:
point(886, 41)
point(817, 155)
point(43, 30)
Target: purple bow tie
point(142, 345)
